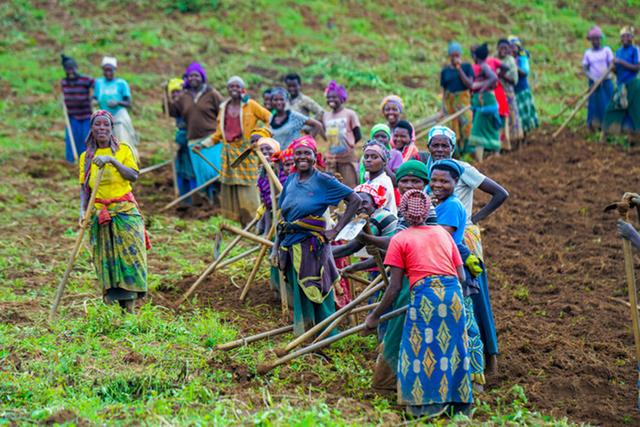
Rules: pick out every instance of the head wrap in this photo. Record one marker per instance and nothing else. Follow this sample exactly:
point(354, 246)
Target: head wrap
point(380, 127)
point(280, 91)
point(309, 142)
point(627, 29)
point(445, 131)
point(515, 40)
point(377, 192)
point(68, 62)
point(236, 79)
point(454, 47)
point(175, 84)
point(194, 67)
point(109, 61)
point(263, 132)
point(283, 155)
point(482, 51)
point(92, 145)
point(414, 207)
point(339, 90)
point(380, 149)
point(393, 99)
point(595, 32)
point(449, 165)
point(413, 168)
point(270, 142)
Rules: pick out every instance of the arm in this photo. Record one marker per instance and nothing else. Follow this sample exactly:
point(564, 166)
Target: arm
point(491, 79)
point(627, 65)
point(360, 266)
point(316, 127)
point(381, 242)
point(84, 199)
point(461, 276)
point(468, 81)
point(126, 102)
point(498, 196)
point(346, 249)
point(353, 203)
point(395, 284)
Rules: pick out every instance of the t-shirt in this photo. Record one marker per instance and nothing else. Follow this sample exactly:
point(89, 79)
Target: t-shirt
point(451, 213)
point(629, 54)
point(382, 224)
point(450, 79)
point(77, 96)
point(339, 129)
point(310, 197)
point(288, 130)
point(424, 251)
point(113, 185)
point(468, 182)
point(111, 90)
point(597, 62)
point(384, 180)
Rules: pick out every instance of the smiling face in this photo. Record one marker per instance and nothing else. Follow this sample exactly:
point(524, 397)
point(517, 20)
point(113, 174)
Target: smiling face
point(288, 166)
point(409, 182)
point(391, 112)
point(278, 102)
point(333, 100)
point(442, 184)
point(195, 80)
point(504, 50)
point(266, 100)
point(439, 147)
point(109, 72)
point(267, 151)
point(367, 206)
point(401, 138)
point(101, 129)
point(304, 159)
point(235, 90)
point(381, 137)
point(372, 161)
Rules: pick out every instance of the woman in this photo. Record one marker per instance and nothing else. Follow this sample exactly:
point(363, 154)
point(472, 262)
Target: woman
point(524, 97)
point(342, 127)
point(238, 116)
point(286, 125)
point(451, 215)
point(434, 366)
point(113, 95)
point(485, 130)
point(302, 248)
point(117, 233)
point(375, 160)
point(442, 144)
point(266, 99)
point(404, 141)
point(509, 80)
point(623, 112)
point(76, 90)
point(268, 146)
point(382, 134)
point(185, 175)
point(392, 108)
point(456, 81)
point(595, 63)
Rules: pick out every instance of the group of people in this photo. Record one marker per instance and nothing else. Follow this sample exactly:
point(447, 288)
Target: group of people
point(613, 109)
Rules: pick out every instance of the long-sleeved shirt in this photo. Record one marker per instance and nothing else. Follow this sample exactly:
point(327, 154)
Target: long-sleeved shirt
point(199, 111)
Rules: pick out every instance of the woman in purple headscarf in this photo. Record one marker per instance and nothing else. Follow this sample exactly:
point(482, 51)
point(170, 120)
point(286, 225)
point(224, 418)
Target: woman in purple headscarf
point(596, 62)
point(342, 127)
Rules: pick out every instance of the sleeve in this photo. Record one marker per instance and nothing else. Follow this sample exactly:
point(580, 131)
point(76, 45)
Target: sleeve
point(335, 190)
point(260, 112)
point(468, 70)
point(524, 64)
point(128, 159)
point(125, 91)
point(298, 119)
point(472, 177)
point(585, 59)
point(283, 193)
point(395, 253)
point(81, 168)
point(217, 135)
point(447, 216)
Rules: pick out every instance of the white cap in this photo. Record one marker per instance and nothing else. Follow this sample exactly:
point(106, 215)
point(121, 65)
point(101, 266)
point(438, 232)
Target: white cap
point(110, 60)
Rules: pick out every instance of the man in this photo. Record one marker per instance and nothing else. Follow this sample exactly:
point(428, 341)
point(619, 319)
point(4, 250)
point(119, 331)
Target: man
point(76, 90)
point(300, 102)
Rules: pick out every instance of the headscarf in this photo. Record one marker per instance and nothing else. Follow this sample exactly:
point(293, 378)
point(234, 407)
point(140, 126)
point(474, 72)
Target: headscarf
point(482, 51)
point(270, 142)
point(449, 165)
point(92, 146)
point(339, 90)
point(68, 62)
point(194, 67)
point(109, 61)
point(236, 79)
point(309, 142)
point(263, 132)
point(595, 32)
point(283, 155)
point(380, 127)
point(515, 40)
point(413, 168)
point(280, 91)
point(454, 47)
point(175, 84)
point(414, 207)
point(628, 29)
point(445, 131)
point(377, 192)
point(378, 148)
point(393, 99)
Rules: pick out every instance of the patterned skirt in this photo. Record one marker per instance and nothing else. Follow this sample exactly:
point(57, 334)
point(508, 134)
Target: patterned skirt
point(527, 110)
point(623, 112)
point(119, 252)
point(456, 101)
point(435, 366)
point(485, 131)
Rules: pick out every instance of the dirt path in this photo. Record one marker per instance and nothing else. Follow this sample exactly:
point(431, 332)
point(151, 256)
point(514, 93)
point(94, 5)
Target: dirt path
point(555, 262)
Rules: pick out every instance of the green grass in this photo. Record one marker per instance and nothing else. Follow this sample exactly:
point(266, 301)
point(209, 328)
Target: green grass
point(95, 365)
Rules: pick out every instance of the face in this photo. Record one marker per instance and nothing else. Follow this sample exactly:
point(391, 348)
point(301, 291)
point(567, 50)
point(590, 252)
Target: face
point(381, 137)
point(442, 184)
point(503, 50)
point(372, 161)
point(333, 100)
point(595, 42)
point(401, 138)
point(70, 72)
point(266, 100)
point(235, 90)
point(288, 166)
point(407, 183)
point(367, 206)
point(626, 39)
point(195, 80)
point(391, 112)
point(293, 87)
point(109, 72)
point(304, 159)
point(439, 147)
point(267, 151)
point(101, 129)
point(454, 58)
point(278, 102)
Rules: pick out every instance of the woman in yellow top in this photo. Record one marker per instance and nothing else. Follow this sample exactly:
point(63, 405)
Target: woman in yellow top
point(238, 116)
point(117, 234)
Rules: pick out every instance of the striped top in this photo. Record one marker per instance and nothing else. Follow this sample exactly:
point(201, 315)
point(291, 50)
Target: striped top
point(77, 96)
